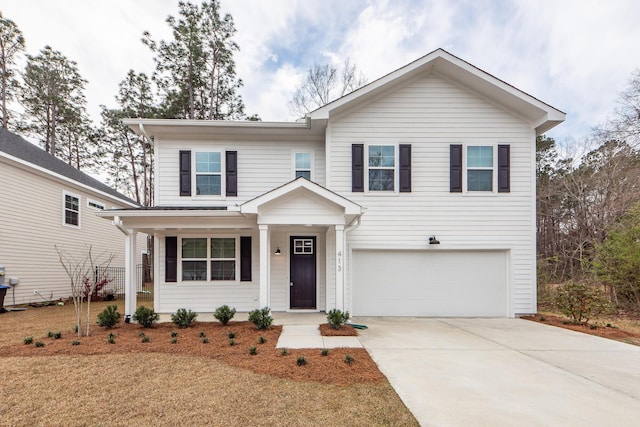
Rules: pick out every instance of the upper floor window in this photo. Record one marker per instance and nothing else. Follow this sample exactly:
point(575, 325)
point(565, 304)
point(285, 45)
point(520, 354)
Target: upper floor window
point(208, 173)
point(479, 168)
point(71, 209)
point(95, 205)
point(382, 167)
point(302, 165)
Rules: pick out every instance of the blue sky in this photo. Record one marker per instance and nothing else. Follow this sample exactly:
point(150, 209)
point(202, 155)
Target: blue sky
point(576, 55)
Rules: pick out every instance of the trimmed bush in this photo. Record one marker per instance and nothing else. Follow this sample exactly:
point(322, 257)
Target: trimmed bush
point(580, 301)
point(184, 318)
point(224, 314)
point(337, 318)
point(145, 316)
point(109, 317)
point(260, 318)
point(28, 340)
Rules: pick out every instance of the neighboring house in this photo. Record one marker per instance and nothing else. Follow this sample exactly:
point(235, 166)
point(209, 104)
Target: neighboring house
point(412, 196)
point(46, 202)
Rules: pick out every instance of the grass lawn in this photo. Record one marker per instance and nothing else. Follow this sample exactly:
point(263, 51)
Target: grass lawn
point(148, 386)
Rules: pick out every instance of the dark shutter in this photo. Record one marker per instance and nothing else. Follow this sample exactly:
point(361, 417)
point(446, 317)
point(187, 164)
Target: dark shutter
point(405, 168)
point(504, 173)
point(455, 168)
point(245, 258)
point(185, 173)
point(232, 172)
point(171, 259)
point(357, 167)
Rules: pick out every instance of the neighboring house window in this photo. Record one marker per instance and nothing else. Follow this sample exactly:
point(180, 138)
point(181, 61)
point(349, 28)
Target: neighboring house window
point(212, 258)
point(208, 174)
point(479, 168)
point(95, 205)
point(382, 163)
point(71, 209)
point(302, 165)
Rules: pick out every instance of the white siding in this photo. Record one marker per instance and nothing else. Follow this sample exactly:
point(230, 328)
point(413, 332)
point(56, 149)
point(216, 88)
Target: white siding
point(31, 223)
point(430, 114)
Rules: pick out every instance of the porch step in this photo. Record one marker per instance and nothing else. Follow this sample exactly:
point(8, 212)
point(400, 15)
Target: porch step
point(308, 336)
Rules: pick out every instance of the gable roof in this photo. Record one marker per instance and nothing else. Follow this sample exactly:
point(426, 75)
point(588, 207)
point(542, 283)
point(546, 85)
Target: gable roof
point(542, 116)
point(19, 148)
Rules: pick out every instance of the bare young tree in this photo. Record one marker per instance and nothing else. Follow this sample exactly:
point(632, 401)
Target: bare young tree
point(323, 84)
point(83, 280)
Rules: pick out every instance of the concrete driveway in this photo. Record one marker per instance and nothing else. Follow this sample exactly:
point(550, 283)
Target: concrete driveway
point(505, 372)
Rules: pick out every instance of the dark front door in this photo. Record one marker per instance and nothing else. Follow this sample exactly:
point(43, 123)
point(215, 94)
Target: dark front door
point(303, 272)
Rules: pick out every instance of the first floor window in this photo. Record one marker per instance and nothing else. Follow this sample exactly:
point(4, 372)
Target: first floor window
point(382, 164)
point(71, 209)
point(208, 174)
point(206, 258)
point(479, 168)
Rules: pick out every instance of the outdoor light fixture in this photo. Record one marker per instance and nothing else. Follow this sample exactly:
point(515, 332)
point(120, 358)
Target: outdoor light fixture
point(278, 251)
point(433, 240)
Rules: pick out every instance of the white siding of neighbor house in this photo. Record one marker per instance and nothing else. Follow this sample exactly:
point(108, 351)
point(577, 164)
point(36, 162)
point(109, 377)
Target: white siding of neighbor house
point(430, 114)
point(262, 166)
point(32, 222)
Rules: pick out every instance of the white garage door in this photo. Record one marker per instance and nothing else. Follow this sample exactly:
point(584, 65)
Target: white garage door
point(429, 283)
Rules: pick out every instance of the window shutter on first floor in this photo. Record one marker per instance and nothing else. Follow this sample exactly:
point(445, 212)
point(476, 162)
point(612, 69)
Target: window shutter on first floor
point(405, 168)
point(245, 258)
point(231, 162)
point(185, 173)
point(171, 259)
point(357, 168)
point(455, 168)
point(504, 166)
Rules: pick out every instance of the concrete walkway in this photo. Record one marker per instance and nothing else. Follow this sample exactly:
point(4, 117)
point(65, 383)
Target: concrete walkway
point(505, 372)
point(308, 336)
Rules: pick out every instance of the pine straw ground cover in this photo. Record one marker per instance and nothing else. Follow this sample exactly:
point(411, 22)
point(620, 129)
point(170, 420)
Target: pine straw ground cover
point(190, 382)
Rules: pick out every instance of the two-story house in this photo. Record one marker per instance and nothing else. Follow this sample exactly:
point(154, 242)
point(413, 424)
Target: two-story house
point(412, 196)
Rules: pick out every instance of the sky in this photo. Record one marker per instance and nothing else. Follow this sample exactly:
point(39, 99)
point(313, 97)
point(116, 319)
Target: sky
point(576, 55)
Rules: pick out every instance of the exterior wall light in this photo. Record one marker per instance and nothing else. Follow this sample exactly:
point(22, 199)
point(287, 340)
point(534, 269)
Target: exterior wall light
point(433, 240)
point(278, 251)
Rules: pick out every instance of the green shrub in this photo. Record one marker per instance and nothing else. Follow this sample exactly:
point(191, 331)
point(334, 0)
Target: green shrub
point(261, 318)
point(580, 302)
point(55, 335)
point(348, 359)
point(301, 361)
point(28, 340)
point(145, 316)
point(224, 314)
point(232, 342)
point(337, 318)
point(146, 339)
point(284, 352)
point(174, 341)
point(253, 350)
point(75, 342)
point(262, 340)
point(109, 317)
point(202, 334)
point(205, 340)
point(184, 318)
point(39, 344)
point(111, 339)
point(174, 334)
point(324, 352)
point(231, 335)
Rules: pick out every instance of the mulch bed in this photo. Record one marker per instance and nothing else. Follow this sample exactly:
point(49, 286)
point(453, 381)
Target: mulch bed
point(327, 330)
point(601, 331)
point(330, 369)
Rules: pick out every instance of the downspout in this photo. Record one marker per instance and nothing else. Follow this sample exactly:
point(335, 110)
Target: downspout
point(118, 223)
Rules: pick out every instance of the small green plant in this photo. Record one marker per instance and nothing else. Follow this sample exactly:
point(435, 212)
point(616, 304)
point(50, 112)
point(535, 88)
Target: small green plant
point(609, 325)
point(324, 352)
point(284, 352)
point(111, 338)
point(337, 318)
point(253, 350)
point(205, 340)
point(262, 340)
point(232, 342)
point(109, 317)
point(140, 334)
point(75, 329)
point(543, 319)
point(202, 334)
point(580, 301)
point(224, 314)
point(75, 342)
point(28, 340)
point(592, 326)
point(231, 335)
point(301, 361)
point(174, 341)
point(184, 318)
point(39, 344)
point(348, 359)
point(261, 318)
point(146, 338)
point(145, 316)
point(55, 335)
point(174, 334)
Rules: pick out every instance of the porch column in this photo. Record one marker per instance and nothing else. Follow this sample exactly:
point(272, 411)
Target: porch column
point(131, 276)
point(340, 267)
point(264, 266)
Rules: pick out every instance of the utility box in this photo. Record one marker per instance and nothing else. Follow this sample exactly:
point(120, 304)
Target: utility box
point(3, 290)
point(1, 275)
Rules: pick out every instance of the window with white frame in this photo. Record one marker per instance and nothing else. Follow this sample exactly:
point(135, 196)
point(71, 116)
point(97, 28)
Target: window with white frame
point(209, 258)
point(302, 165)
point(71, 209)
point(479, 168)
point(95, 205)
point(208, 173)
point(382, 167)
point(303, 246)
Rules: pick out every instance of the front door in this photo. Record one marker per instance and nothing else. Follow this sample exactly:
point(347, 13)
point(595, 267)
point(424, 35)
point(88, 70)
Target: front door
point(302, 272)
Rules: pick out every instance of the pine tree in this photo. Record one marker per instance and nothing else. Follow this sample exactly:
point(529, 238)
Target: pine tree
point(11, 45)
